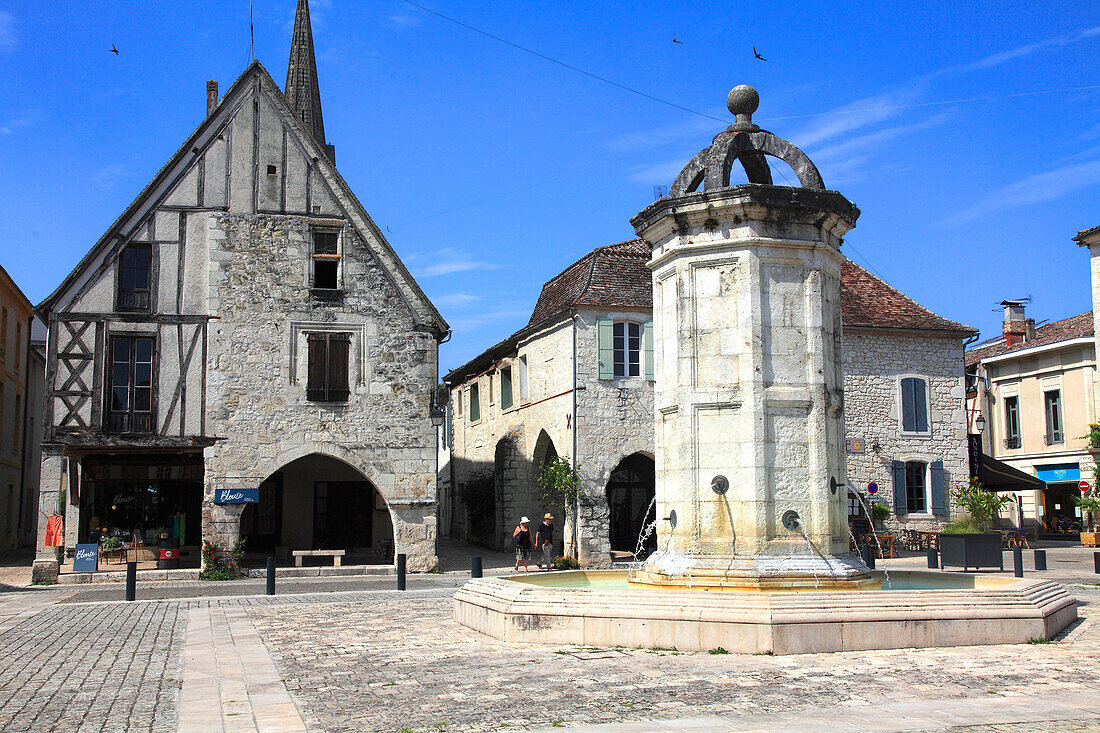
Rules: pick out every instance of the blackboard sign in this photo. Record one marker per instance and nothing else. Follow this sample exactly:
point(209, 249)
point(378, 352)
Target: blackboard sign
point(237, 496)
point(86, 559)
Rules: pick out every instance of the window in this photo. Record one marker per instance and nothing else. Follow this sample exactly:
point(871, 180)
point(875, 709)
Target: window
point(914, 405)
point(505, 389)
point(475, 403)
point(18, 344)
point(17, 423)
point(628, 349)
point(130, 408)
point(134, 265)
point(915, 487)
point(326, 259)
point(458, 404)
point(328, 367)
point(1012, 422)
point(1052, 404)
point(492, 394)
point(3, 333)
point(524, 390)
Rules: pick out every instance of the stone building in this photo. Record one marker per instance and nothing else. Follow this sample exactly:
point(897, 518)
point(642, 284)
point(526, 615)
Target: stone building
point(577, 381)
point(20, 399)
point(244, 325)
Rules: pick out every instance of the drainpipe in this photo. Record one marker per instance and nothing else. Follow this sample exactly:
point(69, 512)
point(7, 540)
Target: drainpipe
point(577, 501)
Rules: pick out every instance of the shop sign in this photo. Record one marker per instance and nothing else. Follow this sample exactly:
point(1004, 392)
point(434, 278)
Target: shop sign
point(237, 496)
point(1059, 472)
point(974, 456)
point(1084, 486)
point(168, 553)
point(86, 558)
point(872, 488)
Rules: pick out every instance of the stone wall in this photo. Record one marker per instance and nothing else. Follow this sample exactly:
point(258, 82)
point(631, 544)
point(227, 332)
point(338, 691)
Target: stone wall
point(259, 286)
point(874, 362)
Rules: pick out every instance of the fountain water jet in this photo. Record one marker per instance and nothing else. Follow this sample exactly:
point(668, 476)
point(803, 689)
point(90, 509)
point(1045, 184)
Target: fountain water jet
point(750, 448)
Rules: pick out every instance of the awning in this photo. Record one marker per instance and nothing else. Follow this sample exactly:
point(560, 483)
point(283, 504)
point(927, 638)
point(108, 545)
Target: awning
point(998, 476)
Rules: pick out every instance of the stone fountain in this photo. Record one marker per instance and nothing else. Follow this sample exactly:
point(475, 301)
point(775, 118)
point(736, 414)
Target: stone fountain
point(750, 484)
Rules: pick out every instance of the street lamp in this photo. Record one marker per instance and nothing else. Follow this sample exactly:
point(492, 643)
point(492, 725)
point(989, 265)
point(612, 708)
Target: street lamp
point(438, 416)
point(979, 423)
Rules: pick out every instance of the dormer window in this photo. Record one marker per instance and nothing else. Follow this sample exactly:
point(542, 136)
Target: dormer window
point(326, 262)
point(134, 267)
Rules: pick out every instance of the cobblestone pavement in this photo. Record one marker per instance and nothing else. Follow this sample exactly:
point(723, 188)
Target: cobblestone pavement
point(402, 664)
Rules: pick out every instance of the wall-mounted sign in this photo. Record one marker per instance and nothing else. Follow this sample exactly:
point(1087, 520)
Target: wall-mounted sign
point(1059, 472)
point(237, 496)
point(872, 488)
point(1084, 486)
point(86, 558)
point(974, 456)
point(855, 445)
point(168, 553)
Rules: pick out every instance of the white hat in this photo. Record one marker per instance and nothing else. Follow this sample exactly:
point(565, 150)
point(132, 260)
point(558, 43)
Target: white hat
point(524, 520)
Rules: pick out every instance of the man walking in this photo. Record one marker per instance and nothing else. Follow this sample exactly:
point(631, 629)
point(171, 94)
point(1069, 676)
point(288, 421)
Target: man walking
point(544, 539)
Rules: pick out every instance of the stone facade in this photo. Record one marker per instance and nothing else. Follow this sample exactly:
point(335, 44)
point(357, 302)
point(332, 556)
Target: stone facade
point(874, 364)
point(234, 306)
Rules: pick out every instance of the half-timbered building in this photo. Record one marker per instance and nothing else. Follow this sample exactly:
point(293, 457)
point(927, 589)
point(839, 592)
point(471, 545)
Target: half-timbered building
point(243, 325)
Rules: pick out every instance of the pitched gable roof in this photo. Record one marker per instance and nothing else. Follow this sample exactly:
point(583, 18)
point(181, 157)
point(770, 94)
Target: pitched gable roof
point(611, 276)
point(255, 78)
point(1079, 326)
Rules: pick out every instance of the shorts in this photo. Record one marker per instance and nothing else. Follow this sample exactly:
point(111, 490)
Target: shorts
point(523, 553)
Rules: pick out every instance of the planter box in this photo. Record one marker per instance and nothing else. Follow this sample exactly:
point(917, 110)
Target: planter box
point(1090, 539)
point(971, 551)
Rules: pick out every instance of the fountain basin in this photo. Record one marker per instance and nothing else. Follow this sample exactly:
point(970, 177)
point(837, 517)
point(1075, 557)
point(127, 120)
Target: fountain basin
point(918, 609)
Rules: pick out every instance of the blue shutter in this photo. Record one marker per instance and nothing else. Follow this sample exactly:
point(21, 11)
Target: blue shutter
point(908, 415)
point(647, 347)
point(899, 488)
point(939, 500)
point(920, 406)
point(605, 347)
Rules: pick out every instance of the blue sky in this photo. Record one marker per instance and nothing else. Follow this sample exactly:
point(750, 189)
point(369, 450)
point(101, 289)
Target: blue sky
point(491, 169)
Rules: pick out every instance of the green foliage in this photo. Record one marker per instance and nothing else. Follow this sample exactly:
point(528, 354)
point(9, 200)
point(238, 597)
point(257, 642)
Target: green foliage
point(983, 506)
point(110, 543)
point(880, 512)
point(1039, 640)
point(1093, 435)
point(965, 525)
point(221, 565)
point(559, 484)
point(1090, 508)
point(718, 650)
point(565, 563)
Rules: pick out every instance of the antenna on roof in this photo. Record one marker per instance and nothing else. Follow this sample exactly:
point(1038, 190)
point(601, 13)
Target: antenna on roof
point(660, 192)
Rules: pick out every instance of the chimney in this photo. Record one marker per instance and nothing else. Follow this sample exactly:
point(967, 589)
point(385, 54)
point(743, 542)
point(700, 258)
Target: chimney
point(211, 96)
point(1017, 329)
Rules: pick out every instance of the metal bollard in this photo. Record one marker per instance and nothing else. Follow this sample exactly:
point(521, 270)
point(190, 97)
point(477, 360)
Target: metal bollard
point(933, 558)
point(1096, 562)
point(475, 566)
point(1018, 562)
point(131, 581)
point(868, 554)
point(1040, 559)
point(271, 575)
point(401, 571)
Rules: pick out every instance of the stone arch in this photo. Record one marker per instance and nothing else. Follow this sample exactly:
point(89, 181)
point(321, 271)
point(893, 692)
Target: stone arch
point(629, 491)
point(512, 483)
point(710, 168)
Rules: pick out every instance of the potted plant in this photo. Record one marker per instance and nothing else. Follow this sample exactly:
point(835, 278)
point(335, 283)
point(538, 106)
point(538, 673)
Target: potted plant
point(1090, 513)
point(970, 542)
point(879, 514)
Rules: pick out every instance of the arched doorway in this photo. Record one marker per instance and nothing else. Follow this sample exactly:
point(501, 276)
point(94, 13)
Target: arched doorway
point(630, 493)
point(318, 502)
point(545, 452)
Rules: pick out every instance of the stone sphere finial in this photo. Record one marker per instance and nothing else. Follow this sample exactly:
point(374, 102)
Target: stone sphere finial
point(742, 100)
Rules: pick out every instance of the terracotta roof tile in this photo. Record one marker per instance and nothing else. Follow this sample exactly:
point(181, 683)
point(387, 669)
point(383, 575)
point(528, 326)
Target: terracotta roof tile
point(1079, 326)
point(868, 302)
point(612, 276)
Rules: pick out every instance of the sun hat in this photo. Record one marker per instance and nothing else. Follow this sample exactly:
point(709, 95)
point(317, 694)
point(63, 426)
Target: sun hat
point(524, 520)
point(548, 516)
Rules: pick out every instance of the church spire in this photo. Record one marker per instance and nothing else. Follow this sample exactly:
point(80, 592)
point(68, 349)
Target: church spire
point(302, 92)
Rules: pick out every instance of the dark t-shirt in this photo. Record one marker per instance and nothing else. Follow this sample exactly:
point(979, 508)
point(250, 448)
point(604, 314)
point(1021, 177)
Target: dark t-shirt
point(523, 539)
point(546, 532)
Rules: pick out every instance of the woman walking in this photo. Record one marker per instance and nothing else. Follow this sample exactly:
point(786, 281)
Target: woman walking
point(522, 539)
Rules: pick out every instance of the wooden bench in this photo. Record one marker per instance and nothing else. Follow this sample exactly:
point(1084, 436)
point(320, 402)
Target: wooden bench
point(334, 554)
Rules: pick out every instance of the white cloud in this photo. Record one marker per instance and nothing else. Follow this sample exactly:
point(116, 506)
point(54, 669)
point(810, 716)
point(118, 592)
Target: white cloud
point(447, 261)
point(7, 31)
point(1028, 49)
point(1046, 186)
point(482, 318)
point(109, 174)
point(455, 300)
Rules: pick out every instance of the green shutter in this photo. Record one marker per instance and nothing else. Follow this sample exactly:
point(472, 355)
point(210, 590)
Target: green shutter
point(899, 488)
point(605, 347)
point(939, 500)
point(505, 389)
point(647, 347)
point(475, 404)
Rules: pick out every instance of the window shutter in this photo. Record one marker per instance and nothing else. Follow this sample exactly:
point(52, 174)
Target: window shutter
point(605, 347)
point(920, 406)
point(647, 347)
point(908, 413)
point(318, 359)
point(939, 503)
point(899, 488)
point(339, 344)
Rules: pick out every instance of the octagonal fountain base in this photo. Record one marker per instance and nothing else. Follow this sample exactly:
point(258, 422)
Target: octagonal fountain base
point(599, 608)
